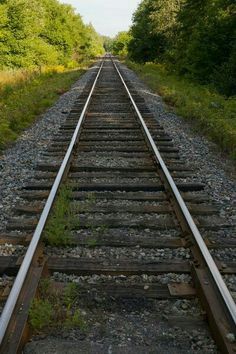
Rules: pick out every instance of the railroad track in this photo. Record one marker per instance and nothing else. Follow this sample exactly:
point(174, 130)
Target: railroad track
point(139, 211)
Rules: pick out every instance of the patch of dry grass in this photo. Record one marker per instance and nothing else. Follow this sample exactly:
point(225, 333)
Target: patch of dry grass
point(27, 93)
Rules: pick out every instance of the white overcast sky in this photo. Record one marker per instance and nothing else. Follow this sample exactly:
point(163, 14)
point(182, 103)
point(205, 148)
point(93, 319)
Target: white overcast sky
point(107, 16)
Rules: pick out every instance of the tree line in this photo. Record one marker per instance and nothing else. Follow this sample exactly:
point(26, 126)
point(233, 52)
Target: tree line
point(44, 32)
point(195, 38)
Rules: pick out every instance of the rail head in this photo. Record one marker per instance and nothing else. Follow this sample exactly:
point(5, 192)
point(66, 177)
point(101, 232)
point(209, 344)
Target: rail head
point(19, 281)
point(25, 266)
point(221, 286)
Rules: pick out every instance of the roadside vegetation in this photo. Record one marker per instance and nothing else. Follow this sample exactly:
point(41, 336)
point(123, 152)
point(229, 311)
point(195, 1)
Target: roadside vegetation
point(62, 219)
point(26, 94)
point(119, 44)
point(40, 33)
point(210, 113)
point(43, 48)
point(186, 51)
point(193, 38)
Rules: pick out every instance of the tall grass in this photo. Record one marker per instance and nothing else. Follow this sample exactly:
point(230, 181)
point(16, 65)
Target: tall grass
point(24, 94)
point(211, 113)
point(13, 77)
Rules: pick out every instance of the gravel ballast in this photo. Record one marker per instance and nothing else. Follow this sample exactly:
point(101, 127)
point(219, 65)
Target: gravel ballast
point(210, 166)
point(121, 253)
point(142, 327)
point(17, 163)
point(137, 324)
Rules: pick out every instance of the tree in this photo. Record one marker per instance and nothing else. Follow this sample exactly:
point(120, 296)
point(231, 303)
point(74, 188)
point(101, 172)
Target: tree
point(19, 32)
point(44, 32)
point(196, 38)
point(107, 43)
point(148, 40)
point(120, 44)
point(206, 38)
point(94, 42)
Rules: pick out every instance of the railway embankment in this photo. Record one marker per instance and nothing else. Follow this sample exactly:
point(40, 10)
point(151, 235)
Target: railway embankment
point(134, 274)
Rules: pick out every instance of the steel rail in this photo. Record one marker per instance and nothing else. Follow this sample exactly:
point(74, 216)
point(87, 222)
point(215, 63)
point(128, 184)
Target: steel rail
point(222, 288)
point(23, 271)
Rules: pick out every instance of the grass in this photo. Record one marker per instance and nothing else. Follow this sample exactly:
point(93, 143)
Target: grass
point(62, 219)
point(92, 243)
point(26, 94)
point(211, 113)
point(56, 308)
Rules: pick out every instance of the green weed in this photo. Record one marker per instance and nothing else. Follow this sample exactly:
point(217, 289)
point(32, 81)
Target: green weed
point(92, 242)
point(91, 199)
point(70, 294)
point(56, 308)
point(62, 220)
point(102, 229)
point(75, 320)
point(97, 232)
point(41, 314)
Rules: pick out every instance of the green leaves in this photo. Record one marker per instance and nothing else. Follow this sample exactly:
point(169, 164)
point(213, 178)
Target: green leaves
point(56, 308)
point(205, 40)
point(41, 313)
point(148, 41)
point(120, 43)
point(62, 220)
point(195, 38)
point(34, 33)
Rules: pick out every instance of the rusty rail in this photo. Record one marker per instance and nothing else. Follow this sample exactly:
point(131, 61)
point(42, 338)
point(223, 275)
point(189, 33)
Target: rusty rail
point(221, 295)
point(25, 266)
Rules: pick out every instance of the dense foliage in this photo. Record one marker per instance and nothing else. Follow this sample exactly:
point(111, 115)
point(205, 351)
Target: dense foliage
point(120, 43)
point(152, 29)
point(117, 45)
point(196, 38)
point(107, 43)
point(43, 32)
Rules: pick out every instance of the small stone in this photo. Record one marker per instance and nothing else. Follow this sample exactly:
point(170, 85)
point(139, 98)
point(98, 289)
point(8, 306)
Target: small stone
point(230, 337)
point(199, 343)
point(146, 287)
point(98, 299)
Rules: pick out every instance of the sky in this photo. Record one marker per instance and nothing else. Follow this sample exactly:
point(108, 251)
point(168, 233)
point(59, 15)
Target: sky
point(107, 16)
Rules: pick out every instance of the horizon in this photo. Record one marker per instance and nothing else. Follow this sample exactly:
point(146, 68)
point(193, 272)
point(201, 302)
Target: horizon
point(118, 15)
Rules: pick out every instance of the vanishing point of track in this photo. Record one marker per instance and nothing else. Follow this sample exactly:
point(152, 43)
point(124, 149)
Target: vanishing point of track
point(111, 121)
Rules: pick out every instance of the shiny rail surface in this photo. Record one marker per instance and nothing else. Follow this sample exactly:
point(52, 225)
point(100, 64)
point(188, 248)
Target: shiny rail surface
point(221, 286)
point(19, 281)
point(222, 296)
